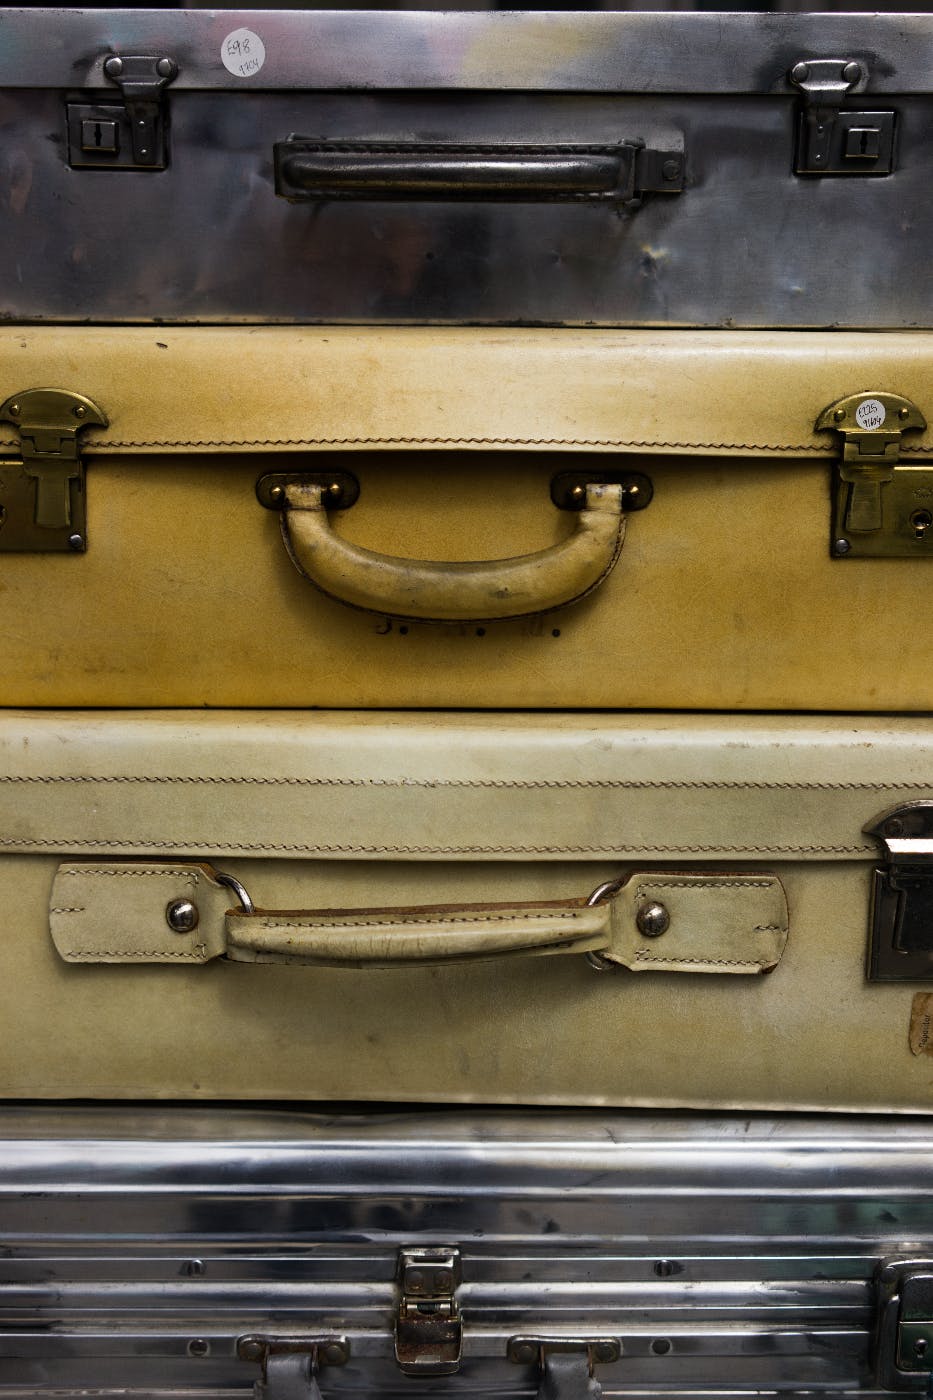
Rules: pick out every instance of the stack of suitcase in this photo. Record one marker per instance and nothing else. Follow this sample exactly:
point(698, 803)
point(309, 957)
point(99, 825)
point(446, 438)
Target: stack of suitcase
point(463, 506)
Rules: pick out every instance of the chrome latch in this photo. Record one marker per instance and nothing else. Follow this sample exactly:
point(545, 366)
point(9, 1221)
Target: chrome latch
point(882, 507)
point(127, 136)
point(904, 1336)
point(901, 935)
point(428, 1326)
point(565, 1364)
point(835, 142)
point(42, 497)
point(290, 1364)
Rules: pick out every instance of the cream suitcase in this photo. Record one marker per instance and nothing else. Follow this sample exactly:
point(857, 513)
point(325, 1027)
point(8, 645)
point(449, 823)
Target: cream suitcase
point(640, 910)
point(656, 519)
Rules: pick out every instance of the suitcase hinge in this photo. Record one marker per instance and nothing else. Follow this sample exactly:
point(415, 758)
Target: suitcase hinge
point(835, 142)
point(290, 1364)
point(882, 507)
point(428, 1326)
point(565, 1364)
point(128, 137)
point(901, 934)
point(42, 497)
point(904, 1335)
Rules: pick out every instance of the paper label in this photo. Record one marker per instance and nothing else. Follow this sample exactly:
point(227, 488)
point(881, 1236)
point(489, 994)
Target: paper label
point(921, 1024)
point(870, 414)
point(243, 53)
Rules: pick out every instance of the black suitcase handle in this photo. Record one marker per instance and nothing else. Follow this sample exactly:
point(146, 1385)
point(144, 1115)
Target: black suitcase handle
point(611, 174)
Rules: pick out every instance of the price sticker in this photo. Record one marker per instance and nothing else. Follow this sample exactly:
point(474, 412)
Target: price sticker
point(870, 414)
point(243, 53)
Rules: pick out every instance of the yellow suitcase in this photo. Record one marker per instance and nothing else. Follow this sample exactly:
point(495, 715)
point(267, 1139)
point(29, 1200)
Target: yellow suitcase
point(754, 532)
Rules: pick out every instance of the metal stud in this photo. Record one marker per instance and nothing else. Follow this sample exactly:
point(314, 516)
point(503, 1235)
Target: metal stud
point(653, 920)
point(181, 915)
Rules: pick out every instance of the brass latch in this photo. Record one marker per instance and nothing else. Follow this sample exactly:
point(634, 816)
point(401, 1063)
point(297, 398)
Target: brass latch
point(428, 1326)
point(882, 507)
point(42, 497)
point(901, 933)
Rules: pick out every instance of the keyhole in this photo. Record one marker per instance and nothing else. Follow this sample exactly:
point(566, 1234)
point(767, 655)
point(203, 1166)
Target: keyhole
point(921, 520)
point(863, 144)
point(97, 134)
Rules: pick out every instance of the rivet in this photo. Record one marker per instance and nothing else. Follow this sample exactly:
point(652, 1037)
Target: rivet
point(165, 68)
point(800, 72)
point(14, 410)
point(415, 1281)
point(670, 169)
point(194, 1268)
point(839, 414)
point(894, 827)
point(842, 546)
point(632, 490)
point(335, 489)
point(653, 920)
point(113, 67)
point(525, 1354)
point(251, 1349)
point(903, 413)
point(577, 493)
point(920, 1346)
point(79, 411)
point(604, 1351)
point(277, 493)
point(181, 915)
point(199, 1347)
point(852, 72)
point(334, 1354)
point(664, 1268)
point(660, 1346)
point(75, 541)
point(442, 1278)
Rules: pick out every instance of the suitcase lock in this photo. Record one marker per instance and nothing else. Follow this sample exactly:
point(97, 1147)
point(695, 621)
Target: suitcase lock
point(835, 142)
point(428, 1326)
point(882, 507)
point(901, 944)
point(42, 497)
point(904, 1338)
point(128, 136)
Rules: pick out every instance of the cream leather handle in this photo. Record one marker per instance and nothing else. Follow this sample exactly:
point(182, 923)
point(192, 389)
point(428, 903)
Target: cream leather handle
point(479, 591)
point(393, 937)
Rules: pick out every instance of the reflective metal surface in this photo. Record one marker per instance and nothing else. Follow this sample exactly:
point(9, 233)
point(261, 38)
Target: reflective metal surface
point(733, 1254)
point(747, 243)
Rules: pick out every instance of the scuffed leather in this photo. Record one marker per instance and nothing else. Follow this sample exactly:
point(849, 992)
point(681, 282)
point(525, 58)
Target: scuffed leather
point(475, 591)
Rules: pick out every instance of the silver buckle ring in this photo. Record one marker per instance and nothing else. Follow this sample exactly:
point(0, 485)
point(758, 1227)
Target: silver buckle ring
point(601, 893)
point(246, 904)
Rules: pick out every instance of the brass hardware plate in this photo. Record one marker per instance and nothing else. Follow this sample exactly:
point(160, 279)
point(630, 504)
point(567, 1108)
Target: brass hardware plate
point(882, 507)
point(342, 487)
point(901, 928)
point(42, 492)
point(904, 1336)
point(428, 1326)
point(568, 489)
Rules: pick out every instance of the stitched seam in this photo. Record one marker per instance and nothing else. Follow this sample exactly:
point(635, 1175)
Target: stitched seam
point(627, 784)
point(426, 920)
point(75, 909)
point(706, 962)
point(699, 884)
point(135, 874)
point(132, 953)
point(817, 449)
point(233, 846)
point(770, 928)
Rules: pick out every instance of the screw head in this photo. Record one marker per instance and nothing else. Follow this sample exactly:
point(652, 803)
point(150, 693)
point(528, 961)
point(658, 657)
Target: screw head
point(670, 169)
point(165, 68)
point(113, 66)
point(653, 920)
point(852, 72)
point(181, 915)
point(800, 72)
point(841, 546)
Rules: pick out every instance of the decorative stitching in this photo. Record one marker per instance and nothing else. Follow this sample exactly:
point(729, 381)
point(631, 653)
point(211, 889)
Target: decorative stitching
point(76, 909)
point(188, 874)
point(231, 847)
point(818, 449)
point(530, 784)
point(412, 922)
point(131, 953)
point(643, 956)
point(701, 884)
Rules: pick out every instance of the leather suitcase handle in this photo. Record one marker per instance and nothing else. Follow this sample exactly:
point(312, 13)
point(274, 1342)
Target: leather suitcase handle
point(431, 591)
point(317, 170)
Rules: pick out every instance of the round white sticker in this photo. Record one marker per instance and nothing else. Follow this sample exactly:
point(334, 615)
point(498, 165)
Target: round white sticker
point(870, 414)
point(243, 53)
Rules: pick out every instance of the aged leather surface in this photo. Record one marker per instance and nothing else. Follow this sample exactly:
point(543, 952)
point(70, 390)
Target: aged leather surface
point(362, 811)
point(725, 596)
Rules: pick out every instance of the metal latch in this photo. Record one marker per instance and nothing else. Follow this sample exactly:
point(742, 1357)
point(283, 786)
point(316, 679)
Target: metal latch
point(428, 1326)
point(565, 1364)
point(904, 1337)
point(42, 497)
point(882, 507)
point(901, 935)
point(835, 142)
point(290, 1364)
point(131, 136)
